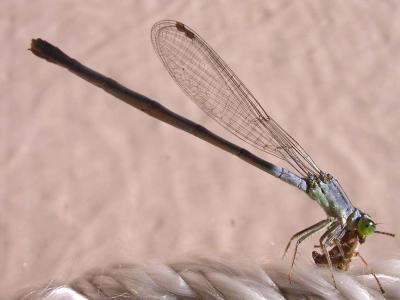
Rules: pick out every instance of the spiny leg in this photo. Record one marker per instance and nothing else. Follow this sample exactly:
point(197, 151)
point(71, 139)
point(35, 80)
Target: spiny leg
point(319, 226)
point(302, 235)
point(372, 272)
point(298, 242)
point(337, 243)
point(324, 241)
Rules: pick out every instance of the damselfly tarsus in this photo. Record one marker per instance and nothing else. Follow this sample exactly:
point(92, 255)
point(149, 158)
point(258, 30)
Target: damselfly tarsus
point(213, 86)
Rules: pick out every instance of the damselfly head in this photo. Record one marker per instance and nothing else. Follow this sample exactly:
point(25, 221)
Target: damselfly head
point(366, 227)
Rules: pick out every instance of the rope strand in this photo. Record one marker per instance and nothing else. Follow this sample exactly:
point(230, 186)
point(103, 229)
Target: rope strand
point(210, 278)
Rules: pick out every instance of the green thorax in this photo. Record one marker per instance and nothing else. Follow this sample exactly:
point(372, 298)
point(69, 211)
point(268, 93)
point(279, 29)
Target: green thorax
point(328, 193)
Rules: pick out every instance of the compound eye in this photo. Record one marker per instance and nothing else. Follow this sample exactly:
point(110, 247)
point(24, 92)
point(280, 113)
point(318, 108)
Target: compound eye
point(365, 226)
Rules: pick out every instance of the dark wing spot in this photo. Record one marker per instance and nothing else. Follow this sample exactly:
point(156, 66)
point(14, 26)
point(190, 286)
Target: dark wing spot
point(181, 27)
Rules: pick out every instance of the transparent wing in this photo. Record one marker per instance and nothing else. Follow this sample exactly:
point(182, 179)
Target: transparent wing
point(213, 86)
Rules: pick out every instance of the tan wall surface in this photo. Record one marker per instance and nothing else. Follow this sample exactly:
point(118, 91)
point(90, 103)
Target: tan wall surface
point(86, 181)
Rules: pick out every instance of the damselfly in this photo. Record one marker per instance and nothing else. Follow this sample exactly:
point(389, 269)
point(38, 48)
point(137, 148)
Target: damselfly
point(212, 86)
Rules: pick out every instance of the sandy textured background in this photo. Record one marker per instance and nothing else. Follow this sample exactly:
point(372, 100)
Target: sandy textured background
point(86, 181)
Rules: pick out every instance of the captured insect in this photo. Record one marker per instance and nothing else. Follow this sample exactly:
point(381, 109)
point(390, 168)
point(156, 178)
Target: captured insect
point(212, 86)
point(343, 252)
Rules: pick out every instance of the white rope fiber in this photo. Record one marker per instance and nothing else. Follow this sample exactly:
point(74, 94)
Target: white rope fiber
point(206, 278)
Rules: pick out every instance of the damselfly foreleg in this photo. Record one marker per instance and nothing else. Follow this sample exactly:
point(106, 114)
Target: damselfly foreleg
point(301, 236)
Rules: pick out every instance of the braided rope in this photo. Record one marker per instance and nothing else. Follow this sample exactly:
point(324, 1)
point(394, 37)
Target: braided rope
point(207, 278)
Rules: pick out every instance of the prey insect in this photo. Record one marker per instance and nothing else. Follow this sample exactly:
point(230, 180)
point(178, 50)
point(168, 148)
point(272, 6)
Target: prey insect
point(343, 252)
point(212, 86)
